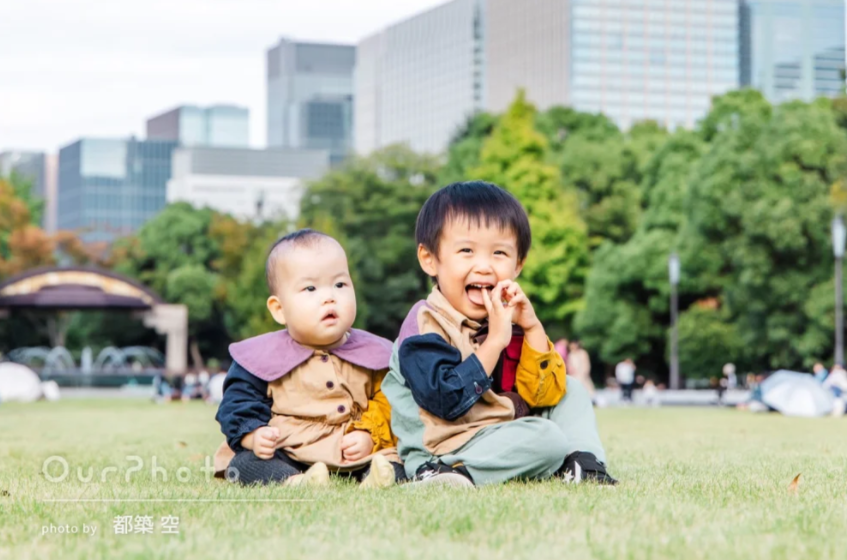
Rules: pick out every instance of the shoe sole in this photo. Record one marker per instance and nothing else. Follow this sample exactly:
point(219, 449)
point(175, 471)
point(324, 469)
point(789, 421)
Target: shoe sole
point(317, 475)
point(381, 474)
point(447, 480)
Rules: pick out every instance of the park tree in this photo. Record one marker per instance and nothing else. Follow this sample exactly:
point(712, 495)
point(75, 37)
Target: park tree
point(603, 165)
point(175, 255)
point(370, 205)
point(465, 148)
point(759, 210)
point(515, 157)
point(746, 202)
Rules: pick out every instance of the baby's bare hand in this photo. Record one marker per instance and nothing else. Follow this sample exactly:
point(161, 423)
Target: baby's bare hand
point(356, 445)
point(264, 441)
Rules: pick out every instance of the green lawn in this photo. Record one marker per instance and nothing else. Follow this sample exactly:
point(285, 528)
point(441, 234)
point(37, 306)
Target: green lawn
point(695, 483)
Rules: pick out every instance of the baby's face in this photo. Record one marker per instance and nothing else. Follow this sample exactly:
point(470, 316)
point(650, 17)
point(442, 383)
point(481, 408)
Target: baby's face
point(471, 258)
point(315, 293)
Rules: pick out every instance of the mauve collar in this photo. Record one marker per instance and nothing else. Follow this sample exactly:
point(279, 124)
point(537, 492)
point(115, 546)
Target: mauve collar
point(273, 355)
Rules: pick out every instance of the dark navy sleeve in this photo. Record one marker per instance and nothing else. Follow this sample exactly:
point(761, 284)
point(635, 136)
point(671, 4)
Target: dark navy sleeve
point(441, 383)
point(245, 405)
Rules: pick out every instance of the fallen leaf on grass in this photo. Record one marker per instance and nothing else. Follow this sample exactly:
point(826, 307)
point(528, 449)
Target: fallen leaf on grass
point(4, 493)
point(182, 444)
point(795, 484)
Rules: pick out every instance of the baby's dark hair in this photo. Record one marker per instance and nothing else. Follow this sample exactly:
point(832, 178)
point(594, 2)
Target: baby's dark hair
point(300, 238)
point(480, 203)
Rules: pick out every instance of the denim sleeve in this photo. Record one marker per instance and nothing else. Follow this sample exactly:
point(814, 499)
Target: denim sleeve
point(440, 382)
point(245, 405)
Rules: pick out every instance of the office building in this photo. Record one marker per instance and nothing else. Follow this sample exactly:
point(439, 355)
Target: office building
point(218, 125)
point(419, 80)
point(40, 169)
point(527, 46)
point(310, 97)
point(793, 49)
point(652, 59)
point(110, 187)
point(249, 184)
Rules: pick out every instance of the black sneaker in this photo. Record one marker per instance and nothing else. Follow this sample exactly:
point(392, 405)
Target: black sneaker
point(439, 474)
point(582, 466)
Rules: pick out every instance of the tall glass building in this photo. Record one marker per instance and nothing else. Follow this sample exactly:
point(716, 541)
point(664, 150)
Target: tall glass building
point(225, 126)
point(310, 97)
point(419, 80)
point(653, 59)
point(793, 49)
point(110, 187)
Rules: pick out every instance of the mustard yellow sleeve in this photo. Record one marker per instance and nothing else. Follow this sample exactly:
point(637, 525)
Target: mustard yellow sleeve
point(377, 418)
point(541, 379)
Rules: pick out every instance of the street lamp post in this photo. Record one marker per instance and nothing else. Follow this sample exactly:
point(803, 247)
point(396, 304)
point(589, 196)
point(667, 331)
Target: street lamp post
point(673, 274)
point(839, 234)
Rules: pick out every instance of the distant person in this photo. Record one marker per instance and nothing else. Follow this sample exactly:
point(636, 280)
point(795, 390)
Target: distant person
point(625, 376)
point(727, 381)
point(579, 366)
point(836, 381)
point(561, 347)
point(301, 401)
point(651, 393)
point(819, 372)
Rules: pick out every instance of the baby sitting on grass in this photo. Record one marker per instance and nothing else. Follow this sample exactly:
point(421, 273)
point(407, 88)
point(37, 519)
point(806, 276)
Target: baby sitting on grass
point(301, 402)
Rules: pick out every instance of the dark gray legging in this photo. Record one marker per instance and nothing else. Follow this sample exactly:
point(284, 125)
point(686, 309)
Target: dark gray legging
point(245, 468)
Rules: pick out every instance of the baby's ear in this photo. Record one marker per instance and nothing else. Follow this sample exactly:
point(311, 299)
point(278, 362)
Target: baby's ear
point(275, 307)
point(427, 261)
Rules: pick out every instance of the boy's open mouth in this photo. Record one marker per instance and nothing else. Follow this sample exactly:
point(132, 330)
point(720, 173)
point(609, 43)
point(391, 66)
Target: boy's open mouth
point(330, 317)
point(474, 292)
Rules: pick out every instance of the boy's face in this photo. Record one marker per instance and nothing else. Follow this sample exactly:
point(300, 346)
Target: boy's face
point(471, 258)
point(315, 299)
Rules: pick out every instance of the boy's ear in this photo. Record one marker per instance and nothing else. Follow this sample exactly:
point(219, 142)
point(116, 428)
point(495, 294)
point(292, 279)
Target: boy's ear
point(275, 307)
point(519, 268)
point(427, 260)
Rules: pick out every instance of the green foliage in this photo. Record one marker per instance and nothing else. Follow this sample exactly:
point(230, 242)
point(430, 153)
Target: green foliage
point(746, 200)
point(466, 147)
point(707, 341)
point(515, 157)
point(370, 205)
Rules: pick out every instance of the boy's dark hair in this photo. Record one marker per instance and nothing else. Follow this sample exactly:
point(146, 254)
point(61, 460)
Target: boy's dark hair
point(480, 203)
point(300, 238)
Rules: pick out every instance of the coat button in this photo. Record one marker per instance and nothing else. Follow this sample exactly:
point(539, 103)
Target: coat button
point(477, 388)
point(330, 384)
point(341, 409)
point(324, 358)
point(544, 364)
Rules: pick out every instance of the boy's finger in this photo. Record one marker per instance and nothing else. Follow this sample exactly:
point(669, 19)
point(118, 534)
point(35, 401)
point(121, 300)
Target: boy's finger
point(497, 296)
point(486, 300)
point(517, 300)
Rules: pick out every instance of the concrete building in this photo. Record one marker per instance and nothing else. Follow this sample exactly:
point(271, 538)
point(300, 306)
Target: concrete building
point(793, 49)
point(41, 169)
point(218, 125)
point(419, 80)
point(527, 45)
point(110, 187)
point(310, 97)
point(249, 184)
point(651, 59)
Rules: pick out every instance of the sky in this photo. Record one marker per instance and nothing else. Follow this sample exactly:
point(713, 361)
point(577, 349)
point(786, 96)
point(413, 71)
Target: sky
point(100, 68)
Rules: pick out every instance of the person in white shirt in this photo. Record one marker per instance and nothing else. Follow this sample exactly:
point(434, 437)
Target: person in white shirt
point(625, 374)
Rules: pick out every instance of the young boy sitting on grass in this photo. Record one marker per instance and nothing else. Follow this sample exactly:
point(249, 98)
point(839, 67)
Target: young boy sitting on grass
point(300, 402)
point(474, 398)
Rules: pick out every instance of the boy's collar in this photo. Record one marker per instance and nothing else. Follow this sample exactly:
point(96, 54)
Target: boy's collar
point(437, 301)
point(274, 355)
